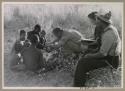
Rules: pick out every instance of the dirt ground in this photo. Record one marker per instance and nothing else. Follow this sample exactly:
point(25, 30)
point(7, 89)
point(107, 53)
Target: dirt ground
point(101, 77)
point(26, 79)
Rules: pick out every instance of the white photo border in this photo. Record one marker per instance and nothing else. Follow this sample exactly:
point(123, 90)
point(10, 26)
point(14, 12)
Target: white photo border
point(3, 3)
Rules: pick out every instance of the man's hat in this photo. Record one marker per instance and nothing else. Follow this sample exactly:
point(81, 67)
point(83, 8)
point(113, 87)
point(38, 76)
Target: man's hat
point(105, 17)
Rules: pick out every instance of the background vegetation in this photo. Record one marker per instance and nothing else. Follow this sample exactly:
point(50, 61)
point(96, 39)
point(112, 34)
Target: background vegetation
point(66, 16)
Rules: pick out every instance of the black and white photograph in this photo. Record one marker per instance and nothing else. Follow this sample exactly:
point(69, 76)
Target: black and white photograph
point(65, 44)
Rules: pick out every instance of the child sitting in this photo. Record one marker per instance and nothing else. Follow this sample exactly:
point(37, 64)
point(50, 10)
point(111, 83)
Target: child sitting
point(15, 56)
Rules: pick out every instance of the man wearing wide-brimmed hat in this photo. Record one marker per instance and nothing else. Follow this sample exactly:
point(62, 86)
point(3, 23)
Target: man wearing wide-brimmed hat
point(108, 53)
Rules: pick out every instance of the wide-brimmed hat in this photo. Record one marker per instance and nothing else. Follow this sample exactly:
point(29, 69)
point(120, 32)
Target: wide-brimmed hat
point(105, 17)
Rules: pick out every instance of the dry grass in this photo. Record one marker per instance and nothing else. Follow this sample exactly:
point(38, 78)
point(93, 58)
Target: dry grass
point(63, 77)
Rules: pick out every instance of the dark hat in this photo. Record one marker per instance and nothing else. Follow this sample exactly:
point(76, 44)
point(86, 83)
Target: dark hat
point(106, 17)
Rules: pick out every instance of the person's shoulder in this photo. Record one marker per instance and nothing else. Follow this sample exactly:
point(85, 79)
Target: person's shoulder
point(111, 28)
point(110, 32)
point(66, 33)
point(38, 50)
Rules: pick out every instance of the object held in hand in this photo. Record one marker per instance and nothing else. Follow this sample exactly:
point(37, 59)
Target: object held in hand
point(87, 41)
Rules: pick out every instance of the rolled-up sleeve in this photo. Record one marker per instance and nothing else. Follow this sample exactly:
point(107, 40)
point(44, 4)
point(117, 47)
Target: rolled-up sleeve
point(107, 42)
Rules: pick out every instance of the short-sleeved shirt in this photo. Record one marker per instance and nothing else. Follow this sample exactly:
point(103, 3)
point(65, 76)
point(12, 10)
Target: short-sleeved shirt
point(110, 42)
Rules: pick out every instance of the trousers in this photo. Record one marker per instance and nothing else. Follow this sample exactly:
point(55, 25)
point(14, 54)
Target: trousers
point(87, 64)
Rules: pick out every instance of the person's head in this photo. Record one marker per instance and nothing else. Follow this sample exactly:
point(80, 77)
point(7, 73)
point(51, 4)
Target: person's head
point(34, 39)
point(22, 35)
point(93, 18)
point(43, 33)
point(37, 28)
point(104, 19)
point(57, 32)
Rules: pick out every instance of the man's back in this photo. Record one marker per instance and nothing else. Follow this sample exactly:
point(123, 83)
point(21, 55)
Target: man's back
point(32, 58)
point(73, 38)
point(74, 35)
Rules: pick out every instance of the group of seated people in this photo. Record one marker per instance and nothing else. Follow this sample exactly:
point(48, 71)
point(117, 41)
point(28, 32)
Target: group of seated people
point(105, 49)
point(26, 53)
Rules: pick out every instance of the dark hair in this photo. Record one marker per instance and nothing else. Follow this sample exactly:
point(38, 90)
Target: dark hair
point(92, 15)
point(37, 26)
point(57, 30)
point(22, 32)
point(34, 39)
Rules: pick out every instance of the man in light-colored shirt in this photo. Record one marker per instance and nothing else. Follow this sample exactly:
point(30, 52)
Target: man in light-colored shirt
point(108, 53)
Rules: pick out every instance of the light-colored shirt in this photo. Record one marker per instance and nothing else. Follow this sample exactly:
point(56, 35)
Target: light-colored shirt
point(110, 42)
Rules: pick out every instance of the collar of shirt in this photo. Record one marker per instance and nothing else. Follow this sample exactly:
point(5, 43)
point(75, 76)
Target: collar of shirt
point(107, 28)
